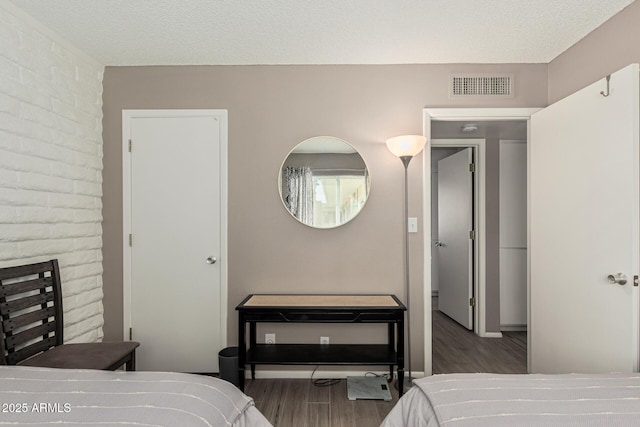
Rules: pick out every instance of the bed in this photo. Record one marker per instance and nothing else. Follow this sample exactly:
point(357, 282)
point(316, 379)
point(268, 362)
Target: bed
point(496, 400)
point(39, 396)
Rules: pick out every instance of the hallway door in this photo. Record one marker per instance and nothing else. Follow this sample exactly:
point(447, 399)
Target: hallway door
point(455, 243)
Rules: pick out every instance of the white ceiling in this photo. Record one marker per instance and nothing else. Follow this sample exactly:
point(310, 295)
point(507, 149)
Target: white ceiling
point(176, 32)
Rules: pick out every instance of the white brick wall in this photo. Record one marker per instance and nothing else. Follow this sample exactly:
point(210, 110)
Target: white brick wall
point(51, 164)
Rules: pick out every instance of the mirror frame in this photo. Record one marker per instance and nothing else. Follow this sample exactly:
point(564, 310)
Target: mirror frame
point(367, 181)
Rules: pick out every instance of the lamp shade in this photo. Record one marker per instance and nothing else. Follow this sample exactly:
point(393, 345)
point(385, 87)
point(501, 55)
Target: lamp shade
point(406, 145)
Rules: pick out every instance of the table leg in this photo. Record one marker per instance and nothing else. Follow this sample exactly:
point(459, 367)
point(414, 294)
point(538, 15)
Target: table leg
point(252, 345)
point(391, 341)
point(400, 353)
point(242, 349)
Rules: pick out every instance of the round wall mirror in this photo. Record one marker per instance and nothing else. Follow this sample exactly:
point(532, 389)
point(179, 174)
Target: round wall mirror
point(324, 182)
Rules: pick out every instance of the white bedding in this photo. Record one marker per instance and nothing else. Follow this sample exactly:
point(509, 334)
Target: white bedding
point(519, 400)
point(41, 396)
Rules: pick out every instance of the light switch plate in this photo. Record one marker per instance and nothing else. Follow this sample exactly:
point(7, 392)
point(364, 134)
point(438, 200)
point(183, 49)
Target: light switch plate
point(412, 225)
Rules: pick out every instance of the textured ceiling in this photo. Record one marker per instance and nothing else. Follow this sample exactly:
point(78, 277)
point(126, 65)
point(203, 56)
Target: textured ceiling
point(173, 32)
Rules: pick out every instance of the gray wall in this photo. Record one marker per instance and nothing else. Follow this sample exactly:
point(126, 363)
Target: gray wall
point(612, 46)
point(271, 109)
point(329, 161)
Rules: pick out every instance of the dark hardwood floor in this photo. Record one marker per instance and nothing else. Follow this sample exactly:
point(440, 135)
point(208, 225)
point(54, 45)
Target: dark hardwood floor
point(298, 403)
point(456, 349)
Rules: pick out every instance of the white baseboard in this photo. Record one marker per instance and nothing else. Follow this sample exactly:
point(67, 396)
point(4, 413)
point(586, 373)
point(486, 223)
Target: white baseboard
point(492, 335)
point(513, 328)
point(306, 374)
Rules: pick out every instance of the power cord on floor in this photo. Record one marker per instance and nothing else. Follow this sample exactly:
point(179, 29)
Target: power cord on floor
point(373, 374)
point(323, 382)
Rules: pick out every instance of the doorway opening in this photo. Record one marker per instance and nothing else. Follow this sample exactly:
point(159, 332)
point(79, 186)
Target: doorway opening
point(479, 282)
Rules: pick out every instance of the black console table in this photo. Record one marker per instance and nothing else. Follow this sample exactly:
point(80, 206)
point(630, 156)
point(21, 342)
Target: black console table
point(321, 309)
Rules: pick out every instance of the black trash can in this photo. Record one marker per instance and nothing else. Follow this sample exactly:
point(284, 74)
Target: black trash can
point(228, 363)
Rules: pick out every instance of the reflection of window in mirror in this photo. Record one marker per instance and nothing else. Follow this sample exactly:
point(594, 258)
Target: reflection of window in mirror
point(337, 198)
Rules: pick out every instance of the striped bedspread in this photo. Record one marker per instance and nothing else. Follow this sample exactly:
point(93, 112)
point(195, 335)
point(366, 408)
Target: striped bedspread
point(40, 396)
point(457, 400)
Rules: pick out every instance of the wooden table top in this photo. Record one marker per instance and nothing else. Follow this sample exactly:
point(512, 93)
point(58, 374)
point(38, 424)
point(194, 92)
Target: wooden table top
point(321, 301)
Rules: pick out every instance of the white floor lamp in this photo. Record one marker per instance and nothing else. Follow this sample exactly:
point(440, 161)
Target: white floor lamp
point(405, 147)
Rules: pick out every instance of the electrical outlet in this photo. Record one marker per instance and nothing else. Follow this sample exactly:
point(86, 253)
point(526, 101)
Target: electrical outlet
point(324, 340)
point(269, 338)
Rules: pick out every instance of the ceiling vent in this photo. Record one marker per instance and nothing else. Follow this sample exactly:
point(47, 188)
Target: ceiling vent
point(490, 85)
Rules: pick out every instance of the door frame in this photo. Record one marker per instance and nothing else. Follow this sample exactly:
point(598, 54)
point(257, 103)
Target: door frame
point(221, 116)
point(479, 149)
point(458, 114)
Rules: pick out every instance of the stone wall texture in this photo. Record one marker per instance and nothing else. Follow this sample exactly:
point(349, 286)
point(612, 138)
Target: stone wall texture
point(51, 164)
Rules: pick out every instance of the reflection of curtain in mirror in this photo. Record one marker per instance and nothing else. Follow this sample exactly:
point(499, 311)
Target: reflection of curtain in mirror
point(297, 192)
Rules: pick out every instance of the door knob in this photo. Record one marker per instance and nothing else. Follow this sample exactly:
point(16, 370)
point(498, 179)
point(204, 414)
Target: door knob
point(439, 244)
point(618, 278)
point(211, 260)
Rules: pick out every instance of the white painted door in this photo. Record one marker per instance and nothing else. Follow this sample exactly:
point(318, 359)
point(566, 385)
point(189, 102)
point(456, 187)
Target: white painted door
point(176, 204)
point(584, 221)
point(455, 248)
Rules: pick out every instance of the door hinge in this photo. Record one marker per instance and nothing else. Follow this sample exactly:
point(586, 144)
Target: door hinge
point(635, 280)
point(129, 145)
point(472, 234)
point(472, 302)
point(472, 166)
point(130, 334)
point(130, 239)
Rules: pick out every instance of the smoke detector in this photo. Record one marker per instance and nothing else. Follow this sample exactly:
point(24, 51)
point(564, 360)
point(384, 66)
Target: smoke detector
point(469, 127)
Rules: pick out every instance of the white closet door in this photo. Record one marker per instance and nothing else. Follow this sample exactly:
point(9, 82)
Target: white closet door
point(176, 298)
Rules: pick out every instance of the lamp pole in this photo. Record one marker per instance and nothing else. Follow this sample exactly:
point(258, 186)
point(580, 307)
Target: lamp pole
point(405, 147)
point(405, 161)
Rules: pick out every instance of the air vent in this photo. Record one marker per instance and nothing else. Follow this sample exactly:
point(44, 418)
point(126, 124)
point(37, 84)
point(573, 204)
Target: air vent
point(463, 85)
